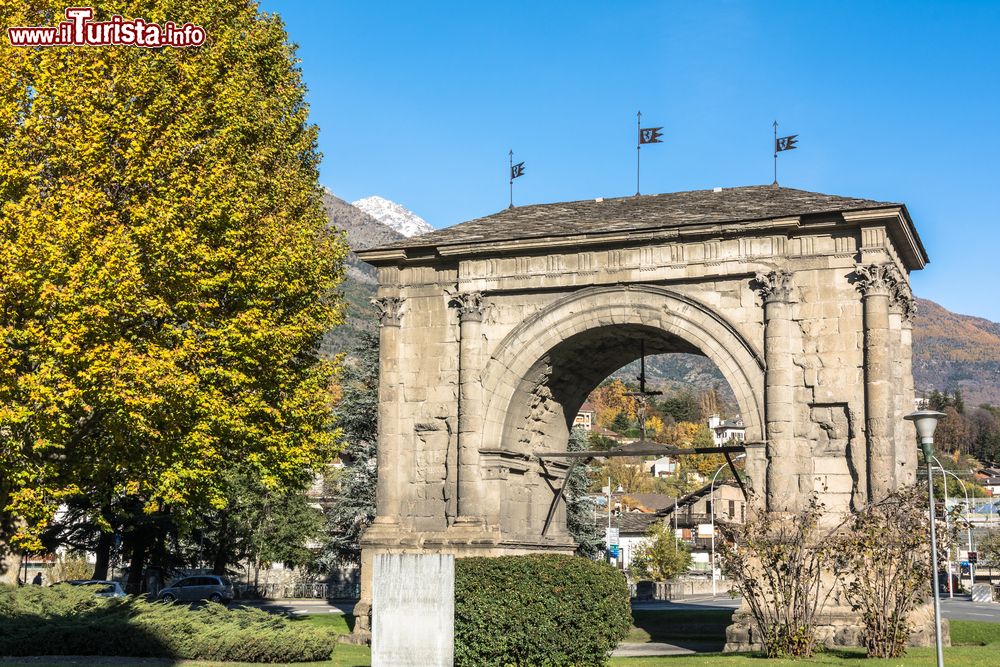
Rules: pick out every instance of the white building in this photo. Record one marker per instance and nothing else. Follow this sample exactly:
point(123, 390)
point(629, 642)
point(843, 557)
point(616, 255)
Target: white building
point(586, 417)
point(726, 430)
point(662, 467)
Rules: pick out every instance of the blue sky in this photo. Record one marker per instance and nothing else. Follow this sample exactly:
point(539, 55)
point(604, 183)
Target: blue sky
point(900, 101)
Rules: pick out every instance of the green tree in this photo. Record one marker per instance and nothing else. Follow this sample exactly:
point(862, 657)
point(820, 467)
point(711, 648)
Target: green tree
point(580, 509)
point(353, 506)
point(661, 556)
point(166, 266)
point(989, 547)
point(682, 406)
point(621, 423)
point(258, 525)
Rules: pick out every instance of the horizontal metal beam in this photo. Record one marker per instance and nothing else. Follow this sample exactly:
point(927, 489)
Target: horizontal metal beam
point(648, 451)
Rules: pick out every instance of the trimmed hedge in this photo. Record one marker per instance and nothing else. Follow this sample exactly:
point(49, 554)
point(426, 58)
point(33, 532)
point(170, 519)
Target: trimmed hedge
point(71, 620)
point(538, 610)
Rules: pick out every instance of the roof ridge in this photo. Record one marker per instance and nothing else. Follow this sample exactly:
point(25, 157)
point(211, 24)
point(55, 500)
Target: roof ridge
point(641, 213)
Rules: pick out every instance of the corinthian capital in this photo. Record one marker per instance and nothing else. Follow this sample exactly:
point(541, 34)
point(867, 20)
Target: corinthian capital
point(470, 305)
point(774, 285)
point(876, 279)
point(387, 308)
point(901, 299)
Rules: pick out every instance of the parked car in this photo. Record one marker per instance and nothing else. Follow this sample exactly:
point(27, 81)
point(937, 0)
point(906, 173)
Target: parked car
point(199, 587)
point(106, 589)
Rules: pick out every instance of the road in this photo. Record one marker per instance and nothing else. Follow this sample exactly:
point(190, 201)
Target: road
point(300, 606)
point(959, 607)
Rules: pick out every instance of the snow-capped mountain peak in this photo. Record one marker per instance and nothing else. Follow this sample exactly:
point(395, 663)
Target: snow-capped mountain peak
point(403, 220)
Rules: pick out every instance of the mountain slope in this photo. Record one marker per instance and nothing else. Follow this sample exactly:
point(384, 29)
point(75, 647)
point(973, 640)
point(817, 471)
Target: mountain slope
point(391, 214)
point(952, 351)
point(361, 231)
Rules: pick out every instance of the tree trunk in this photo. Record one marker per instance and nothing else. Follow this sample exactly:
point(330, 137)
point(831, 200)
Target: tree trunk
point(221, 552)
point(219, 565)
point(137, 562)
point(103, 554)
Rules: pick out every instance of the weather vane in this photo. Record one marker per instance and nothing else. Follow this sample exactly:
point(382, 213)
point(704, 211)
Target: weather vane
point(516, 170)
point(782, 144)
point(647, 135)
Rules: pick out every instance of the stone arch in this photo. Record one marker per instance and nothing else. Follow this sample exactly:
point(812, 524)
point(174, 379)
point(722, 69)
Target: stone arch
point(525, 378)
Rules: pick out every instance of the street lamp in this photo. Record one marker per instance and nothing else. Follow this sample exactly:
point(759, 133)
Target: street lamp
point(926, 421)
point(968, 520)
point(712, 501)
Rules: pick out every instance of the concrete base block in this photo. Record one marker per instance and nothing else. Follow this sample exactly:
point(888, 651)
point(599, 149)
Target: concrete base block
point(838, 627)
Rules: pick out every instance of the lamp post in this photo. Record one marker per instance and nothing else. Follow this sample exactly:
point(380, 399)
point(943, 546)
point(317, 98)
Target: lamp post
point(947, 528)
point(712, 503)
point(926, 421)
point(968, 519)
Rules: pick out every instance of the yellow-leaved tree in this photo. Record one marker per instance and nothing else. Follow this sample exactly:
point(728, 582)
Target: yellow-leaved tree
point(166, 271)
point(690, 434)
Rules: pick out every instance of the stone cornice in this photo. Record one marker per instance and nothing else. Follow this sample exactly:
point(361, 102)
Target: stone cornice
point(532, 245)
point(900, 227)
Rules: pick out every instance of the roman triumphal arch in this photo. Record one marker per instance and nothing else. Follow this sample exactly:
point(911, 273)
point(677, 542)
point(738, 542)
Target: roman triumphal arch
point(494, 331)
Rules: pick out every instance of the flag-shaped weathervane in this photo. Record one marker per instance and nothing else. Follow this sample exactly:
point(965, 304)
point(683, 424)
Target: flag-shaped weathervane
point(650, 135)
point(788, 143)
point(516, 170)
point(647, 135)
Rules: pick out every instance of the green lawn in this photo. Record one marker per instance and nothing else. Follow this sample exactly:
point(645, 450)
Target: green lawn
point(342, 624)
point(964, 656)
point(977, 644)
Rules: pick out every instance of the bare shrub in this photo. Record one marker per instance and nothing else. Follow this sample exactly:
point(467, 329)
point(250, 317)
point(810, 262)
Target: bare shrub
point(883, 562)
point(777, 564)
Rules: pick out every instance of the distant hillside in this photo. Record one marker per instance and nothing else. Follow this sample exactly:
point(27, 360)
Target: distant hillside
point(952, 351)
point(674, 372)
point(362, 231)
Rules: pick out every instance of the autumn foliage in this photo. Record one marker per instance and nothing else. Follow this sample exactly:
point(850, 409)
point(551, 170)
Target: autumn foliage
point(165, 264)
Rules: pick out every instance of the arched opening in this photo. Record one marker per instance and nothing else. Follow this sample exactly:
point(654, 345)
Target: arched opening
point(550, 395)
point(541, 374)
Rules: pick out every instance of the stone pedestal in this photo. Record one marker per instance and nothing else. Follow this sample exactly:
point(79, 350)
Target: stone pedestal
point(413, 619)
point(836, 627)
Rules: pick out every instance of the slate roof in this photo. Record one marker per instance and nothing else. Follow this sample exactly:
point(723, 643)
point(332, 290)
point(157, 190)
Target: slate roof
point(646, 212)
point(651, 502)
point(636, 522)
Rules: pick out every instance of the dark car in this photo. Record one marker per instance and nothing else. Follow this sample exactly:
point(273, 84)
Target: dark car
point(199, 587)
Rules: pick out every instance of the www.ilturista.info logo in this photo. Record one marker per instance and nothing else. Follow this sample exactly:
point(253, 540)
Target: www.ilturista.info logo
point(79, 30)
